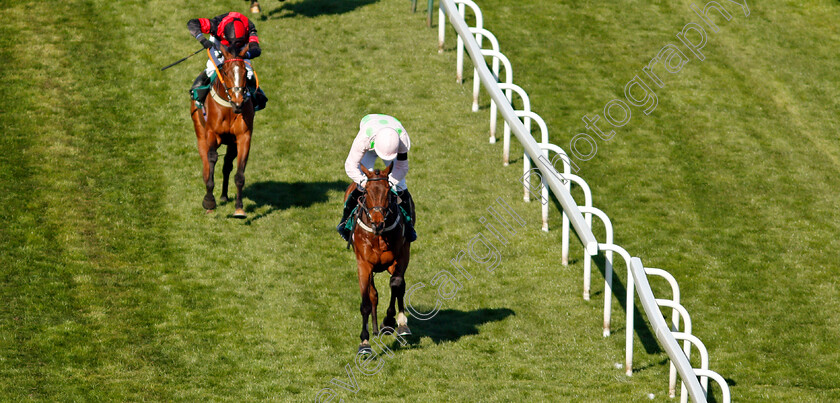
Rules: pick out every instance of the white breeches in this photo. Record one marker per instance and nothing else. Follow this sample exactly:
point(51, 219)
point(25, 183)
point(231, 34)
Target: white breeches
point(210, 68)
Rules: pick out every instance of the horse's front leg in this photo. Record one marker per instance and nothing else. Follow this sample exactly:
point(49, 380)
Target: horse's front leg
point(209, 170)
point(243, 147)
point(365, 271)
point(227, 167)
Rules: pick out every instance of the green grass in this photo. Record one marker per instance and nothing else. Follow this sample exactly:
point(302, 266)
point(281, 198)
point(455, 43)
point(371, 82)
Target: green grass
point(116, 286)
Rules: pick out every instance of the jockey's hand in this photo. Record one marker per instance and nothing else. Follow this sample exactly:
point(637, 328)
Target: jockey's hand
point(206, 43)
point(361, 185)
point(253, 50)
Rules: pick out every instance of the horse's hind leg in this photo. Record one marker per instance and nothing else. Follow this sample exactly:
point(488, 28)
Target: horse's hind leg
point(389, 320)
point(397, 293)
point(230, 154)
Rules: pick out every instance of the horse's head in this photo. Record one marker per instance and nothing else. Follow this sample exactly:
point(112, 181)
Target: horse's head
point(376, 201)
point(235, 77)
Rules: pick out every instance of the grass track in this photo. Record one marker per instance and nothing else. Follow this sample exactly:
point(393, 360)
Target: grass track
point(116, 286)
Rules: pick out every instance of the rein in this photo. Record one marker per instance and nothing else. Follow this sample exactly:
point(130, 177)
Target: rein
point(384, 210)
point(226, 103)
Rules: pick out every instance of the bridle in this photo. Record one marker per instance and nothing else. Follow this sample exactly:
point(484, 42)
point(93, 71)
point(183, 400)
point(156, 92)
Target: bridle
point(384, 210)
point(246, 94)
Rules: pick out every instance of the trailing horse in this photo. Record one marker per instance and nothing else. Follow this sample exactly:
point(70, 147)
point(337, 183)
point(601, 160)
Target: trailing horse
point(380, 245)
point(228, 119)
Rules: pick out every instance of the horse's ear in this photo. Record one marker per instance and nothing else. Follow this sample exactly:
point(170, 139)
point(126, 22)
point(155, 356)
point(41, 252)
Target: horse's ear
point(365, 171)
point(225, 52)
point(388, 170)
point(244, 50)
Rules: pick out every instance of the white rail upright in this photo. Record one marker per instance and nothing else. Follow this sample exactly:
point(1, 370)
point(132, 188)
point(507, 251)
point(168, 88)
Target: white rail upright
point(494, 45)
point(628, 329)
point(459, 75)
point(675, 317)
point(664, 335)
point(704, 361)
point(724, 388)
point(526, 106)
point(607, 269)
point(550, 175)
point(567, 172)
point(498, 56)
point(558, 183)
point(526, 162)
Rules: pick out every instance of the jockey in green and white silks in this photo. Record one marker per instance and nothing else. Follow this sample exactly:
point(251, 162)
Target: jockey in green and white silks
point(384, 137)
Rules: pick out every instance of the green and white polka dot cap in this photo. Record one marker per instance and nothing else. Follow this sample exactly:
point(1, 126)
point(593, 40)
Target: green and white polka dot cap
point(375, 122)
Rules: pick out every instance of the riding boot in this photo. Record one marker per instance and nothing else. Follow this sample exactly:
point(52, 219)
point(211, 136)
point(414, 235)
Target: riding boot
point(349, 206)
point(259, 96)
point(259, 99)
point(407, 210)
point(196, 92)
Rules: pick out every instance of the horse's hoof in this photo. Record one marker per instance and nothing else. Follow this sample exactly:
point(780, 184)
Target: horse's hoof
point(390, 322)
point(387, 330)
point(209, 203)
point(403, 330)
point(364, 348)
point(209, 211)
point(223, 199)
point(239, 213)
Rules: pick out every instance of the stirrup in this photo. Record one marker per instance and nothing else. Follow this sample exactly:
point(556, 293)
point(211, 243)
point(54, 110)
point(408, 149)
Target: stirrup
point(344, 232)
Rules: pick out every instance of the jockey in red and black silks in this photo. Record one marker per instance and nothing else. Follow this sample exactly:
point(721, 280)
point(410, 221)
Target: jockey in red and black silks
point(233, 31)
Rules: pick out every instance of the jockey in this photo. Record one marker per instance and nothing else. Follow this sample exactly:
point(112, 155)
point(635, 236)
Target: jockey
point(234, 31)
point(384, 137)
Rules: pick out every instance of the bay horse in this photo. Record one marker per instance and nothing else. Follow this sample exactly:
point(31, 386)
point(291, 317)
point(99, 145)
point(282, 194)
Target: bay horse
point(379, 244)
point(228, 119)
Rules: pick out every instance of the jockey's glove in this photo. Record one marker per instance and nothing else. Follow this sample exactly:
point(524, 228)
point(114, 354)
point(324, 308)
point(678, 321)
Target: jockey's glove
point(205, 42)
point(253, 50)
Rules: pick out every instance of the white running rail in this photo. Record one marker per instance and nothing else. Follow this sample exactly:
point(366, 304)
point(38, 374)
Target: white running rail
point(695, 380)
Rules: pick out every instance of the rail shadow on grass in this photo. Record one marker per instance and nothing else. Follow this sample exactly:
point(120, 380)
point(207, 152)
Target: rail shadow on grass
point(640, 325)
point(282, 195)
point(314, 8)
point(452, 324)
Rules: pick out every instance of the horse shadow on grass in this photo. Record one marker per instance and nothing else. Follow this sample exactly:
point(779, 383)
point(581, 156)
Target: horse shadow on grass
point(283, 195)
point(314, 8)
point(451, 324)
